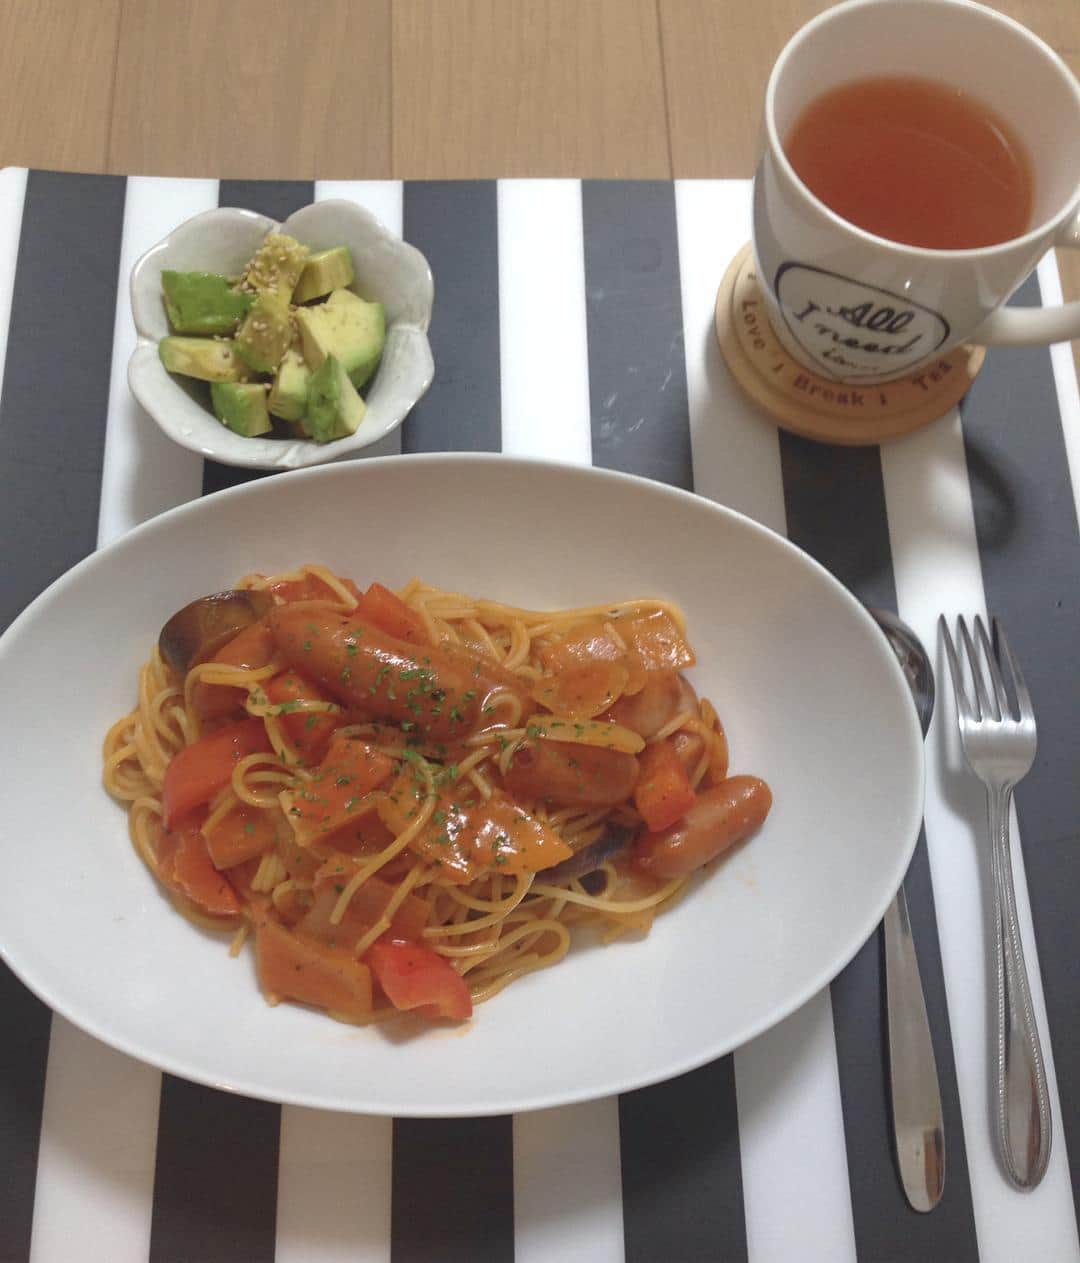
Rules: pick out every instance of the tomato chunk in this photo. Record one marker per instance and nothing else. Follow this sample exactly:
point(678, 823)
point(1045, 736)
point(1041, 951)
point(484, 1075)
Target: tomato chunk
point(389, 613)
point(197, 773)
point(350, 770)
point(472, 836)
point(663, 793)
point(365, 908)
point(310, 732)
point(184, 865)
point(570, 774)
point(251, 648)
point(582, 690)
point(414, 977)
point(295, 968)
point(241, 834)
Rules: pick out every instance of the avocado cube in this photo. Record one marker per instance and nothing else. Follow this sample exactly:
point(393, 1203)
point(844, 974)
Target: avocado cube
point(347, 328)
point(208, 359)
point(335, 410)
point(264, 337)
point(203, 302)
point(326, 271)
point(276, 266)
point(289, 393)
point(242, 407)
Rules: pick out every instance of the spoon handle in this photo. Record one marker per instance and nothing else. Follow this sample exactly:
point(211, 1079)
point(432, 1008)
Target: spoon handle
point(918, 1128)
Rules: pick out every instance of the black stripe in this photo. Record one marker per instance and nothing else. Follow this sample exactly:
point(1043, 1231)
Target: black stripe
point(24, 1052)
point(681, 1173)
point(454, 224)
point(637, 367)
point(277, 199)
point(215, 1184)
point(835, 502)
point(56, 379)
point(453, 1199)
point(468, 1163)
point(1025, 523)
point(52, 434)
point(682, 1177)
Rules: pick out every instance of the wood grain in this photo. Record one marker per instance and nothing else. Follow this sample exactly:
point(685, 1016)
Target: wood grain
point(221, 89)
point(56, 72)
point(717, 58)
point(558, 88)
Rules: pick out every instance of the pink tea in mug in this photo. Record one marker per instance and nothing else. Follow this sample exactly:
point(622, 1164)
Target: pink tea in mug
point(914, 161)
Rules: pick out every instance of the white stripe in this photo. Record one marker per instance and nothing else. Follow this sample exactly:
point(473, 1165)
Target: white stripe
point(736, 448)
point(791, 1136)
point(936, 564)
point(791, 1133)
point(334, 1175)
point(144, 472)
point(12, 196)
point(568, 1185)
point(1061, 357)
point(543, 358)
point(385, 200)
point(95, 1173)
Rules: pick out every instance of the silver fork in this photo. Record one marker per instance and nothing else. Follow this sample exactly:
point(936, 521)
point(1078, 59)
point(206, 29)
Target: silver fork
point(999, 744)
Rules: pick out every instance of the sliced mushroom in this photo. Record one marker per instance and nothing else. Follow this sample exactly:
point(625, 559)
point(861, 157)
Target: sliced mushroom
point(198, 631)
point(615, 839)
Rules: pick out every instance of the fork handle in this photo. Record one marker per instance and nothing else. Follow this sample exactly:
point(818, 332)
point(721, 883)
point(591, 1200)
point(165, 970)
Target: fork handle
point(1023, 1102)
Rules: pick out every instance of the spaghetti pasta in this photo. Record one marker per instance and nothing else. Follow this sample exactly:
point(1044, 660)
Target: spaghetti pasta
point(409, 800)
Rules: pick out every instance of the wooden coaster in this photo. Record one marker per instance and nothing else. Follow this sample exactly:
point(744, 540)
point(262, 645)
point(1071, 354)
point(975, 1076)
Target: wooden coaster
point(816, 407)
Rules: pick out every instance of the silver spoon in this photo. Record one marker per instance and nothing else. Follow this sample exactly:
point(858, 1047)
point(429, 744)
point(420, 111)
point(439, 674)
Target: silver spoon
point(918, 1128)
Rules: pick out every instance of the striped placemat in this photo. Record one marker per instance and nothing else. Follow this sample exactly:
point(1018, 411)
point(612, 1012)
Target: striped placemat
point(572, 320)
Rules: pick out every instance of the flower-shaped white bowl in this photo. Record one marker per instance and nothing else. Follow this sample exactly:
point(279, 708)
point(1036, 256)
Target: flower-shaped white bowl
point(388, 270)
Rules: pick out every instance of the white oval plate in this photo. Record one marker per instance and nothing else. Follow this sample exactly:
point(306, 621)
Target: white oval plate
point(810, 694)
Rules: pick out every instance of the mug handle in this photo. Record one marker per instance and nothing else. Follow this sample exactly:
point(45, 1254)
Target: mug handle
point(1035, 326)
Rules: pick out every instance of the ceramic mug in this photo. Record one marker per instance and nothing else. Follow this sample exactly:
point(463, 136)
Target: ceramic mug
point(855, 307)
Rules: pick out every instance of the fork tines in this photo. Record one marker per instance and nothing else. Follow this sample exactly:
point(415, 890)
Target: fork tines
point(994, 703)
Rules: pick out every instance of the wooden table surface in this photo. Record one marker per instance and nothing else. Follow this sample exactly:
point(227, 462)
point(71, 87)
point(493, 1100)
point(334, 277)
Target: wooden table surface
point(369, 89)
